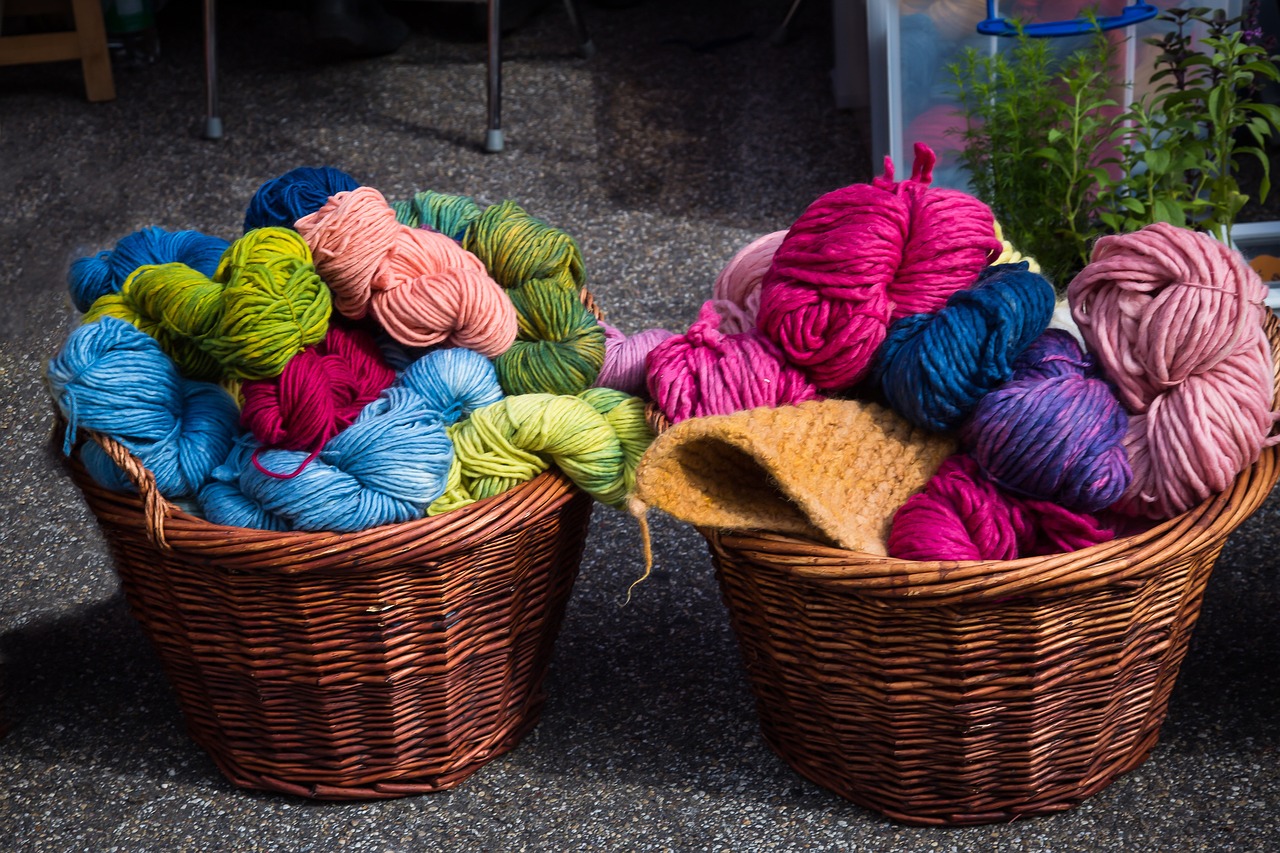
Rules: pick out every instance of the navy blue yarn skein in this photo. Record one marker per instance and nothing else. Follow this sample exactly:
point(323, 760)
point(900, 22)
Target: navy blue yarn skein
point(111, 378)
point(1054, 431)
point(934, 368)
point(105, 272)
point(284, 200)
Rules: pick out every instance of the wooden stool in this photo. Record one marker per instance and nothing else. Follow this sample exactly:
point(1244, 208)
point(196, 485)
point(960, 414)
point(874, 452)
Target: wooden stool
point(87, 42)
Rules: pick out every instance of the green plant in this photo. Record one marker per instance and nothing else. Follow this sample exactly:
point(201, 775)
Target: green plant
point(1047, 146)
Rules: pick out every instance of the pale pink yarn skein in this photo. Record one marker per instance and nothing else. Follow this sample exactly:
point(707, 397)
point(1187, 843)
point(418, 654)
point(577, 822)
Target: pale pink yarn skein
point(421, 286)
point(863, 256)
point(736, 292)
point(704, 372)
point(625, 358)
point(1175, 320)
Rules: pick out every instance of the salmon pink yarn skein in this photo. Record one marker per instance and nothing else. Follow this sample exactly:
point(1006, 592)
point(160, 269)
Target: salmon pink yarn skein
point(420, 286)
point(863, 256)
point(1175, 319)
point(703, 372)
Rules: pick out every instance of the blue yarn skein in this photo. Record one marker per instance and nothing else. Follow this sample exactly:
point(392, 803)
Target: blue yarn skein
point(284, 200)
point(1054, 431)
point(111, 378)
point(453, 382)
point(934, 368)
point(233, 507)
point(385, 468)
point(105, 272)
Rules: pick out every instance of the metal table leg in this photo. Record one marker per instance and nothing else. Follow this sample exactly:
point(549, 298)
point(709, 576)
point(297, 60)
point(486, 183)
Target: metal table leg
point(212, 121)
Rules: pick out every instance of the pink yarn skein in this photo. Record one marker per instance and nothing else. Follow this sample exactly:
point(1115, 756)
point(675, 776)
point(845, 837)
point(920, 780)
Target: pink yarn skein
point(962, 515)
point(625, 358)
point(704, 372)
point(421, 286)
point(736, 291)
point(1174, 319)
point(863, 256)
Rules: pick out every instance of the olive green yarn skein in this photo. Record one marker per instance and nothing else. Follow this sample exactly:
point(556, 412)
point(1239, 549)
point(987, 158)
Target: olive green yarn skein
point(518, 248)
point(178, 306)
point(274, 304)
point(559, 346)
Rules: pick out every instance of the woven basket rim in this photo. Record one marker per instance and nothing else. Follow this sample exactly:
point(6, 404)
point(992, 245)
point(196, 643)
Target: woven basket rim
point(1201, 526)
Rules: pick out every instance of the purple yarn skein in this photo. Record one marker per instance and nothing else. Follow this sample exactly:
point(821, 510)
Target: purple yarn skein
point(1055, 430)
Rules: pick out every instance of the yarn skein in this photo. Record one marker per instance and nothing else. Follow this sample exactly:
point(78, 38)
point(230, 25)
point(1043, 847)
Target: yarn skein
point(736, 290)
point(704, 372)
point(282, 201)
point(1174, 319)
point(321, 391)
point(451, 215)
point(863, 256)
point(420, 286)
point(105, 272)
point(961, 515)
point(625, 358)
point(452, 383)
point(1054, 431)
point(385, 468)
point(114, 379)
point(934, 368)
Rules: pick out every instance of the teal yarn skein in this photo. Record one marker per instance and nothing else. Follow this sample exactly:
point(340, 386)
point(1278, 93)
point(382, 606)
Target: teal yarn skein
point(113, 379)
point(451, 215)
point(934, 367)
point(105, 272)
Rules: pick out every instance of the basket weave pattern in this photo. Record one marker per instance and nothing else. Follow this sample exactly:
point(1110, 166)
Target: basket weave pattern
point(382, 663)
point(965, 692)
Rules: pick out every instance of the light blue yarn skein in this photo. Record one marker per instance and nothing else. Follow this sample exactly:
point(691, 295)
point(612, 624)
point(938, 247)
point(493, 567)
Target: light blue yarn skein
point(111, 378)
point(453, 382)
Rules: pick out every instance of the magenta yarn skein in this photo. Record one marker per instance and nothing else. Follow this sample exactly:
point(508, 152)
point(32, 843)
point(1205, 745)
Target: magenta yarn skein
point(1175, 319)
point(863, 256)
point(703, 372)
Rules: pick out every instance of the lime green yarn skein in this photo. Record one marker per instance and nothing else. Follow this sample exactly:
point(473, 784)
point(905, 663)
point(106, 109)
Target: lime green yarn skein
point(559, 346)
point(451, 215)
point(274, 304)
point(178, 306)
point(625, 414)
point(518, 248)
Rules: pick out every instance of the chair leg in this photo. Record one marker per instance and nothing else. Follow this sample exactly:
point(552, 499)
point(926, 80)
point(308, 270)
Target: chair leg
point(212, 121)
point(493, 141)
point(780, 34)
point(95, 62)
point(586, 47)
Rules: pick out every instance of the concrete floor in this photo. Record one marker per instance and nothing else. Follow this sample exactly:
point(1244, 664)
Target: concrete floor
point(688, 135)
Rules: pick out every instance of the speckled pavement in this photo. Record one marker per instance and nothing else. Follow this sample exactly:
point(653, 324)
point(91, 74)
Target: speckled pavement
point(686, 136)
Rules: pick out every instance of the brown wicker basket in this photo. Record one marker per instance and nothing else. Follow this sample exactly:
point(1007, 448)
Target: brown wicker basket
point(965, 692)
point(382, 663)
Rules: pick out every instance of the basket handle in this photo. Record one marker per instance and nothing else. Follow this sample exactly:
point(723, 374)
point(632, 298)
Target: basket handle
point(155, 507)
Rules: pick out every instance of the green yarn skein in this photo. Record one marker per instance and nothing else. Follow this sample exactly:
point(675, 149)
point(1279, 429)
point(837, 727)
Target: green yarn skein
point(518, 248)
point(513, 440)
point(451, 215)
point(264, 303)
point(559, 345)
point(176, 305)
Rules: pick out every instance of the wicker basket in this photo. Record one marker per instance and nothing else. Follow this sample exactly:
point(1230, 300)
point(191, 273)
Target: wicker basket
point(382, 663)
point(963, 693)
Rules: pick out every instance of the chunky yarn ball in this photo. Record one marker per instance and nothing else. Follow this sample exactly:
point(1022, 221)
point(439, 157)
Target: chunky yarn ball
point(934, 368)
point(451, 215)
point(961, 515)
point(284, 200)
point(420, 286)
point(113, 379)
point(704, 372)
point(559, 346)
point(105, 272)
point(625, 414)
point(625, 358)
point(519, 249)
point(863, 256)
point(1174, 319)
point(452, 383)
point(736, 291)
point(1055, 431)
point(321, 391)
point(385, 468)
